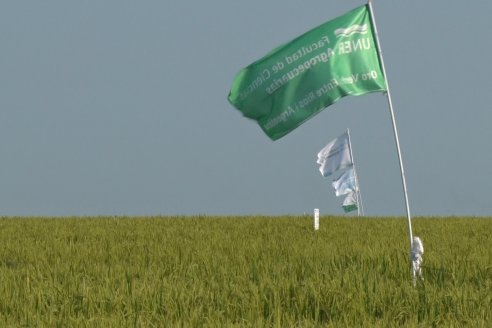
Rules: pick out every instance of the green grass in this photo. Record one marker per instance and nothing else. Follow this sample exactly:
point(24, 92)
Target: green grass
point(243, 272)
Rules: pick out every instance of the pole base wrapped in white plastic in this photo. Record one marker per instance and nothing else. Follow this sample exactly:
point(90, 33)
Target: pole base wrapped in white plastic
point(416, 257)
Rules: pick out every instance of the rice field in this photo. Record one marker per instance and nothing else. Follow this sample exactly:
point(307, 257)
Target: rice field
point(249, 271)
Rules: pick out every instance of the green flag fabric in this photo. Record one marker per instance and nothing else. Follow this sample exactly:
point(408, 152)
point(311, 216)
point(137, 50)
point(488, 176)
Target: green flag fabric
point(299, 79)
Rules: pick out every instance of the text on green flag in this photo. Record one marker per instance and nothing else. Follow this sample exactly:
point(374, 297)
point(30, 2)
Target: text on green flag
point(297, 80)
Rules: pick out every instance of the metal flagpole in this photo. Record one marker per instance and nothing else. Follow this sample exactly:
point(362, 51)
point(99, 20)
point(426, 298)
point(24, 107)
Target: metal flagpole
point(358, 192)
point(360, 207)
point(388, 95)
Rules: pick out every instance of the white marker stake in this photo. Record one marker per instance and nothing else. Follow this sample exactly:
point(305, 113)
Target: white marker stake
point(316, 219)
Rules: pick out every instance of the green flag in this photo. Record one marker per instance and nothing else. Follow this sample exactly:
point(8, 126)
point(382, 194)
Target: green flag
point(297, 80)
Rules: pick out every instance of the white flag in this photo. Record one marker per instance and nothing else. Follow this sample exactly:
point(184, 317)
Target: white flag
point(350, 202)
point(346, 183)
point(335, 155)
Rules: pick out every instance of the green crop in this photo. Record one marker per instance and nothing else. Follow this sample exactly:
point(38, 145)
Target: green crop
point(243, 272)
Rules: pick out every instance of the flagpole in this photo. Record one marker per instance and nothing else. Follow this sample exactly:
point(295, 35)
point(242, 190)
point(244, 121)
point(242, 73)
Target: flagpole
point(388, 95)
point(359, 193)
point(360, 208)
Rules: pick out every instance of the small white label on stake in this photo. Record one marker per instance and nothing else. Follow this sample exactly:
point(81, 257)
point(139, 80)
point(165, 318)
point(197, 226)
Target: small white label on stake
point(316, 219)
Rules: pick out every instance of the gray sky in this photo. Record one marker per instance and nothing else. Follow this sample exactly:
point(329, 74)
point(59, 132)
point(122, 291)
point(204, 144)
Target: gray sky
point(119, 107)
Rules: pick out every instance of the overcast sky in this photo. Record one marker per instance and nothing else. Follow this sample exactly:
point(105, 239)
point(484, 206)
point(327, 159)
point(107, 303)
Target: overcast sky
point(120, 108)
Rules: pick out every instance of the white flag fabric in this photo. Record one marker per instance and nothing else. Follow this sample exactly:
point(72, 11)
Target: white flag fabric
point(335, 155)
point(346, 183)
point(350, 202)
